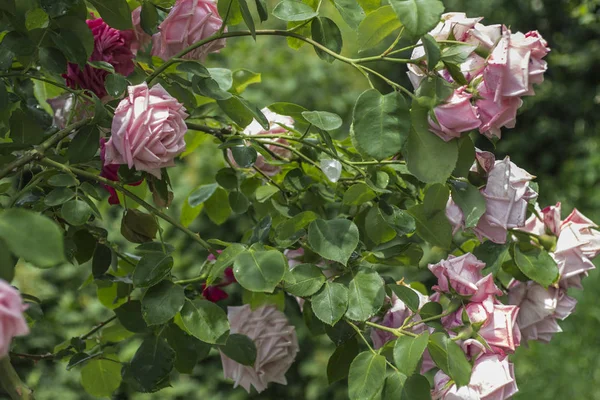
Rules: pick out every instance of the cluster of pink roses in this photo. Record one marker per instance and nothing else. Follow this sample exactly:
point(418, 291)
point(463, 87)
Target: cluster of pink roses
point(506, 194)
point(12, 321)
point(495, 83)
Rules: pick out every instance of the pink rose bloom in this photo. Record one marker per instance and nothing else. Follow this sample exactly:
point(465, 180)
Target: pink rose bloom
point(454, 116)
point(188, 22)
point(111, 46)
point(61, 106)
point(274, 129)
point(493, 378)
point(395, 317)
point(141, 39)
point(276, 346)
point(539, 309)
point(463, 275)
point(516, 64)
point(110, 172)
point(12, 321)
point(496, 114)
point(549, 225)
point(148, 130)
point(498, 324)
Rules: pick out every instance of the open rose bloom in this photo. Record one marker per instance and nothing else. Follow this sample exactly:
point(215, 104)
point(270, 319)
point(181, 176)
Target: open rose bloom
point(12, 321)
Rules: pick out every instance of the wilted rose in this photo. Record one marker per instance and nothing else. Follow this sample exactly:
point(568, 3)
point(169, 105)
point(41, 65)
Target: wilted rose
point(454, 116)
point(12, 321)
point(276, 346)
point(496, 114)
point(148, 130)
point(188, 22)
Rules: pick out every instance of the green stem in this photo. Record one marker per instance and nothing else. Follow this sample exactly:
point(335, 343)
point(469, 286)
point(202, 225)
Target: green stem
point(97, 327)
point(117, 186)
point(395, 331)
point(375, 162)
point(48, 81)
point(191, 280)
point(359, 332)
point(12, 384)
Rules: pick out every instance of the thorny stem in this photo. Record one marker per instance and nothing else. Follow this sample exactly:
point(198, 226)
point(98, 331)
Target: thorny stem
point(12, 384)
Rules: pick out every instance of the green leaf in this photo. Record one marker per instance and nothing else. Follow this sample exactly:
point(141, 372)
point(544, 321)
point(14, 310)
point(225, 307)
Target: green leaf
point(407, 295)
point(33, 237)
point(450, 358)
point(326, 32)
point(259, 271)
point(432, 227)
point(427, 156)
point(350, 11)
point(217, 206)
point(432, 91)
point(161, 302)
point(377, 227)
point(366, 294)
point(323, 119)
point(493, 255)
point(84, 145)
point(36, 18)
point(209, 87)
point(341, 359)
point(235, 14)
point(201, 194)
point(247, 17)
point(376, 26)
point(466, 157)
point(188, 349)
point(537, 265)
point(223, 76)
point(432, 50)
point(330, 303)
point(193, 67)
point(238, 202)
point(242, 78)
point(265, 192)
point(470, 201)
point(358, 194)
point(333, 240)
point(298, 222)
point(76, 212)
point(430, 310)
point(7, 263)
point(293, 10)
point(152, 363)
point(242, 112)
point(138, 227)
point(225, 259)
point(205, 321)
point(52, 60)
point(116, 84)
point(149, 18)
point(306, 280)
point(408, 352)
point(24, 129)
point(102, 260)
point(151, 269)
point(418, 16)
point(366, 376)
point(380, 124)
point(399, 387)
point(457, 54)
point(101, 377)
point(114, 12)
point(240, 348)
point(62, 180)
point(130, 316)
point(263, 12)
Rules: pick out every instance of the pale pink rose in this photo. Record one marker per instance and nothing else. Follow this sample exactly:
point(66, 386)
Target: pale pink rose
point(141, 39)
point(498, 324)
point(276, 346)
point(539, 309)
point(148, 130)
point(463, 275)
point(495, 114)
point(454, 116)
point(493, 378)
point(455, 216)
point(395, 317)
point(275, 128)
point(61, 106)
point(516, 64)
point(188, 22)
point(484, 160)
point(549, 225)
point(111, 46)
point(12, 321)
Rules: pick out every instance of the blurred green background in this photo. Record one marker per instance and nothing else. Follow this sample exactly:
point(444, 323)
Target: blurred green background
point(556, 139)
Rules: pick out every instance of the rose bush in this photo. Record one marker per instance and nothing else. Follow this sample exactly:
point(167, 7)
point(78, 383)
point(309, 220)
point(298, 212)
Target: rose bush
point(399, 185)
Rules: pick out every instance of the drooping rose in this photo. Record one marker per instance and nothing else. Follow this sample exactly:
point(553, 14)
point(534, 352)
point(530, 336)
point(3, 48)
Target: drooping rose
point(188, 22)
point(148, 130)
point(276, 346)
point(110, 172)
point(111, 46)
point(141, 39)
point(395, 317)
point(539, 309)
point(493, 378)
point(463, 275)
point(12, 321)
point(454, 116)
point(274, 129)
point(496, 114)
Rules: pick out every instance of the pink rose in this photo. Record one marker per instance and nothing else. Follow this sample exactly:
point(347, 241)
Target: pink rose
point(454, 116)
point(395, 317)
point(498, 324)
point(148, 130)
point(516, 64)
point(188, 22)
point(463, 275)
point(539, 309)
point(111, 46)
point(551, 221)
point(274, 129)
point(276, 346)
point(141, 38)
point(493, 378)
point(496, 114)
point(12, 321)
point(110, 172)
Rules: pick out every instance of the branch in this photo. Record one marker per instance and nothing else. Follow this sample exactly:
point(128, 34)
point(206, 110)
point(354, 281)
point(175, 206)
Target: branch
point(12, 384)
